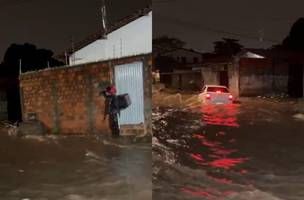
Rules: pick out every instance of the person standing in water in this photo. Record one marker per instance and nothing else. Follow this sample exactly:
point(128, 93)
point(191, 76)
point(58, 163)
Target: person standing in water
point(112, 109)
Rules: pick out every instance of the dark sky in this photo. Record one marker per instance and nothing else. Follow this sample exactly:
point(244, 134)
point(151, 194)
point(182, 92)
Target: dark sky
point(50, 23)
point(201, 22)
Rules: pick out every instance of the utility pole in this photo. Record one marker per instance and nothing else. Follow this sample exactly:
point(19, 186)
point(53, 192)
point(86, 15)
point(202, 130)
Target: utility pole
point(261, 35)
point(73, 49)
point(66, 58)
point(104, 19)
point(20, 66)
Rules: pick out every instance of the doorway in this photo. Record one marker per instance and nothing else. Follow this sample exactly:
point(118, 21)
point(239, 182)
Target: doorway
point(129, 79)
point(13, 105)
point(223, 77)
point(295, 80)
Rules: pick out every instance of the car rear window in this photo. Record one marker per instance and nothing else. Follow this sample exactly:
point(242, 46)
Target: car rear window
point(215, 89)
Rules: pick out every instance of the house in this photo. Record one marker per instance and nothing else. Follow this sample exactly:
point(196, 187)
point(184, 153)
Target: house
point(255, 72)
point(185, 57)
point(275, 71)
point(252, 72)
point(129, 37)
point(214, 69)
point(66, 99)
point(176, 68)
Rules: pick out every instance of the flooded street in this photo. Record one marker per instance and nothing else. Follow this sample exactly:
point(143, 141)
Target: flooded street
point(74, 168)
point(252, 150)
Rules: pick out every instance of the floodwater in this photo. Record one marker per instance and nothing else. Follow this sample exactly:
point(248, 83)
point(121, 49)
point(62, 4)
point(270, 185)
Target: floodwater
point(248, 151)
point(74, 168)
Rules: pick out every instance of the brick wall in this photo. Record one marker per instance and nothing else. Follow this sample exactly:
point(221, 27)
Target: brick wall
point(67, 99)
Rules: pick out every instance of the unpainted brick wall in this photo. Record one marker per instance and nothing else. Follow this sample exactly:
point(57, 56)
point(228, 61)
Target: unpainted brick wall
point(67, 99)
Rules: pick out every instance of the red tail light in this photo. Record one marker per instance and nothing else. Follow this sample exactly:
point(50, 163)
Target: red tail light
point(230, 97)
point(208, 96)
point(218, 92)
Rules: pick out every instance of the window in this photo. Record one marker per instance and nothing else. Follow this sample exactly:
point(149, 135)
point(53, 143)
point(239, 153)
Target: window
point(184, 59)
point(195, 60)
point(215, 89)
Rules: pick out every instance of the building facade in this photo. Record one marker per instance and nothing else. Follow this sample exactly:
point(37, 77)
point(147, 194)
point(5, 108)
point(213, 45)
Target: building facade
point(129, 37)
point(67, 100)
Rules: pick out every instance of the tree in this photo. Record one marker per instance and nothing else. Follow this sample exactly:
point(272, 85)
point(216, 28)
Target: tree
point(162, 45)
point(30, 57)
point(227, 47)
point(164, 63)
point(165, 43)
point(295, 39)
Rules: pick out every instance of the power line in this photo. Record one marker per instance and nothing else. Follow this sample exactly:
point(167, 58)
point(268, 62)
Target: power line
point(201, 27)
point(7, 3)
point(162, 1)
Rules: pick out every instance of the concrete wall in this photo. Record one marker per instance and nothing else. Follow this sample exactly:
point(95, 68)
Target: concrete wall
point(132, 39)
point(3, 106)
point(233, 76)
point(183, 79)
point(251, 76)
point(210, 74)
point(262, 76)
point(67, 99)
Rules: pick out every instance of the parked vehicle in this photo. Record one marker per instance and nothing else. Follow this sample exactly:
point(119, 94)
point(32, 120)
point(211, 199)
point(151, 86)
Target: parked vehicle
point(216, 94)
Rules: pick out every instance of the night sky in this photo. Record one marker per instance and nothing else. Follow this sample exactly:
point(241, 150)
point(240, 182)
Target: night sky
point(201, 22)
point(50, 24)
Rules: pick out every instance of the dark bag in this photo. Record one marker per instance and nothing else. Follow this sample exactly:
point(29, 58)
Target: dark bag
point(124, 101)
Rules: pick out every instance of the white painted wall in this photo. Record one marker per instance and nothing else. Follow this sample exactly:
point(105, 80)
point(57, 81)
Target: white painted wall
point(134, 38)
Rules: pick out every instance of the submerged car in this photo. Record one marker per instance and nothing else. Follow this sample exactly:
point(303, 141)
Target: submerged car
point(216, 94)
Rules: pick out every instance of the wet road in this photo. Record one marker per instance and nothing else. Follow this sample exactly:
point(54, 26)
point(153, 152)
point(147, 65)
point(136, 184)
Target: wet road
point(74, 168)
point(253, 150)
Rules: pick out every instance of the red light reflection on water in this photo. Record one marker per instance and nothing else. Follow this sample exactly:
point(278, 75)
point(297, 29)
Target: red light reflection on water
point(198, 193)
point(223, 115)
point(223, 152)
point(222, 180)
point(226, 163)
point(198, 136)
point(197, 157)
point(218, 156)
point(208, 193)
point(210, 144)
point(213, 153)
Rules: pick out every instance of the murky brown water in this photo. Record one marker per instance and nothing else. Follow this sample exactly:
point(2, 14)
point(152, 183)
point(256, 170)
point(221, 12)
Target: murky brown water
point(74, 168)
point(246, 151)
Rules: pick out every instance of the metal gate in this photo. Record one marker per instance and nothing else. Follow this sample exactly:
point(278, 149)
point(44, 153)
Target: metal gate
point(129, 79)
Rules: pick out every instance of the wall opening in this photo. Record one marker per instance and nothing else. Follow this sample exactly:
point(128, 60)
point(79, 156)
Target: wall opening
point(3, 105)
point(13, 105)
point(223, 77)
point(295, 80)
